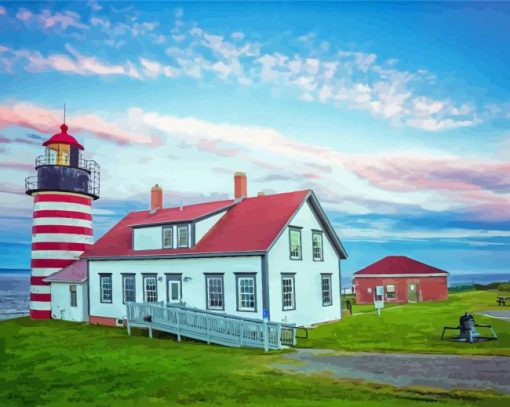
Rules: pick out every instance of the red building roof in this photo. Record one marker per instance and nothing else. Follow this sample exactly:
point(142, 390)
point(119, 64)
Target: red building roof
point(250, 225)
point(390, 265)
point(63, 138)
point(74, 273)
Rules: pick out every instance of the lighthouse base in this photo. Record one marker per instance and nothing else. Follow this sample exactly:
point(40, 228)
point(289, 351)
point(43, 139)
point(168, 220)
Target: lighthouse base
point(40, 314)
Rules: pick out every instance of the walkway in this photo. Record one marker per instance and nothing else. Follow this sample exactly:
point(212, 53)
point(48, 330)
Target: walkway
point(440, 371)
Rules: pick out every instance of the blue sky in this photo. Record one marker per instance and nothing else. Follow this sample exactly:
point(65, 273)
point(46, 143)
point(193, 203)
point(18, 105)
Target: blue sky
point(396, 114)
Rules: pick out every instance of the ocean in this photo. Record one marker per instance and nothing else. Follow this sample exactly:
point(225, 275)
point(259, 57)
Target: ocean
point(15, 287)
point(14, 293)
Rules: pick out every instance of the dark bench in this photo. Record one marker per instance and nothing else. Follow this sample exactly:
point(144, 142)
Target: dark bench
point(502, 300)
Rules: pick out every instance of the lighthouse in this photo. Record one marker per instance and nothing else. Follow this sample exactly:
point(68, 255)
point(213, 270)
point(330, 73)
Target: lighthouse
point(63, 191)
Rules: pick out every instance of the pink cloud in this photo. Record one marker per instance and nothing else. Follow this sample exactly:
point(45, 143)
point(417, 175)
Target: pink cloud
point(11, 189)
point(17, 166)
point(46, 121)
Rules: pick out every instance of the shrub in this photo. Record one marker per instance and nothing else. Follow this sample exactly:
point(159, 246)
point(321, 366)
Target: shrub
point(505, 287)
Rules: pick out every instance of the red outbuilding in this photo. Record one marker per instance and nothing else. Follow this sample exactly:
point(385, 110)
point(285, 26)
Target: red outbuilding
point(404, 280)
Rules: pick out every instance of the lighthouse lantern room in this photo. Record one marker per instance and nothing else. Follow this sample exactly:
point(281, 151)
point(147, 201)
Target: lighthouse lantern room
point(63, 191)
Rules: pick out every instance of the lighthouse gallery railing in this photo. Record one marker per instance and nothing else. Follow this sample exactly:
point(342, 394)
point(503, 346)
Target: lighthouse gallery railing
point(210, 327)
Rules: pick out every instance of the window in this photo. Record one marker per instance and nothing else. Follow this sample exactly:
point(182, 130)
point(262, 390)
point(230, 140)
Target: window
point(105, 286)
point(168, 237)
point(214, 292)
point(182, 236)
point(390, 291)
point(129, 288)
point(295, 243)
point(326, 289)
point(288, 293)
point(246, 294)
point(74, 299)
point(150, 288)
point(317, 246)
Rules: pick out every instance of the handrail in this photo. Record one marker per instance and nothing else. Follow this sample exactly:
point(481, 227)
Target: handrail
point(211, 327)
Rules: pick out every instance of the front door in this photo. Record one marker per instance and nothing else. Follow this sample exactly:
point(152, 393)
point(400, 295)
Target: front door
point(412, 292)
point(174, 291)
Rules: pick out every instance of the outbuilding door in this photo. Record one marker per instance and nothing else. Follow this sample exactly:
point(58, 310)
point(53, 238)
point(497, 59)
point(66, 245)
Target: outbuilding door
point(412, 292)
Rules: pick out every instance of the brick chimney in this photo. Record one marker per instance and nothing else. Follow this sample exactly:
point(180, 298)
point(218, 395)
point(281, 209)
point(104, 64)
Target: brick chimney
point(156, 198)
point(240, 185)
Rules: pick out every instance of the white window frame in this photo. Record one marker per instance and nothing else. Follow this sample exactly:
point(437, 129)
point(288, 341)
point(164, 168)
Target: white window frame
point(329, 291)
point(321, 248)
point(286, 306)
point(299, 256)
point(179, 228)
point(149, 294)
point(209, 295)
point(124, 296)
point(106, 293)
point(163, 237)
point(241, 296)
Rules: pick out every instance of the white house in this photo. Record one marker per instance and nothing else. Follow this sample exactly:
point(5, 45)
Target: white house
point(274, 252)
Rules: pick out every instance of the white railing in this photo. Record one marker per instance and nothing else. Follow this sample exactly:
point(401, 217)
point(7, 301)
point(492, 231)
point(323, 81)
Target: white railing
point(210, 327)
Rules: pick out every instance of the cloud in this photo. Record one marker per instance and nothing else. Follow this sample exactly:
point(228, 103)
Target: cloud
point(3, 11)
point(8, 188)
point(47, 20)
point(74, 62)
point(17, 166)
point(44, 120)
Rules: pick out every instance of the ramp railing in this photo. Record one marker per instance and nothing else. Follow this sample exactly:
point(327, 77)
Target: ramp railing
point(210, 327)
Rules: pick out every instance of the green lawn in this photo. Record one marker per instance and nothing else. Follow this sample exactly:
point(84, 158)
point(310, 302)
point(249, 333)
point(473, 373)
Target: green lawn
point(412, 328)
point(54, 363)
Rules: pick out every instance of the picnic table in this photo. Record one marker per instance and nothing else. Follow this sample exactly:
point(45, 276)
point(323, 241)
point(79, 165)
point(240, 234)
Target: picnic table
point(502, 300)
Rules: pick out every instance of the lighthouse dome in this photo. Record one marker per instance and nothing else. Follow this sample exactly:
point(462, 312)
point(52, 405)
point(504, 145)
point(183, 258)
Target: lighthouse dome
point(63, 138)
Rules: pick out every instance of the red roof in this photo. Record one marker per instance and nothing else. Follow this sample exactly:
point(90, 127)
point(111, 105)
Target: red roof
point(187, 213)
point(74, 273)
point(63, 138)
point(249, 225)
point(399, 265)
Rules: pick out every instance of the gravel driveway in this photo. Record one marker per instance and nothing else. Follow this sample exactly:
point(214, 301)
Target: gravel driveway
point(440, 371)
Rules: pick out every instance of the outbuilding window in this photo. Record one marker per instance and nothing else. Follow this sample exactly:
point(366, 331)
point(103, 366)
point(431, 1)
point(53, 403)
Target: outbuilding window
point(288, 292)
point(326, 290)
point(168, 237)
point(105, 286)
point(214, 292)
point(150, 288)
point(74, 299)
point(295, 243)
point(390, 291)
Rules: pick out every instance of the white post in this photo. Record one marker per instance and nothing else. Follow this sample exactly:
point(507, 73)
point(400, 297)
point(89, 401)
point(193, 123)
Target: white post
point(266, 336)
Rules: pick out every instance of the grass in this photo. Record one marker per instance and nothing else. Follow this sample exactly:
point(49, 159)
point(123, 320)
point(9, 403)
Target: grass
point(56, 363)
point(413, 328)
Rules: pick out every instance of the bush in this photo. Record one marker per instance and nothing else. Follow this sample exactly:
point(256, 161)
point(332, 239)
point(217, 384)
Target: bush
point(505, 287)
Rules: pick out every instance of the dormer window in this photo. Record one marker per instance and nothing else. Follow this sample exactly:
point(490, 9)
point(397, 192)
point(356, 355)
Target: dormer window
point(168, 237)
point(182, 236)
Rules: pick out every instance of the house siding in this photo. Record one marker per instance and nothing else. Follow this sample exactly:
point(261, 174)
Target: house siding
point(429, 288)
point(61, 302)
point(193, 290)
point(203, 226)
point(307, 275)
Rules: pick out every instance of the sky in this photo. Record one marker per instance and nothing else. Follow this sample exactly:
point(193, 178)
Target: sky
point(397, 115)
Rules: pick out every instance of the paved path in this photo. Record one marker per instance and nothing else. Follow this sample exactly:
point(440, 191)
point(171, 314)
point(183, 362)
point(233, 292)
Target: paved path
point(505, 315)
point(440, 371)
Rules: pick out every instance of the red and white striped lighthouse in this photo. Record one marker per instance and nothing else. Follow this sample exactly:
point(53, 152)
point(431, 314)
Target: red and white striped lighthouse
point(63, 191)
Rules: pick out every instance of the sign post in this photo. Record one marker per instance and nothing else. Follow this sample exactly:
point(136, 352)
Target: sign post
point(265, 318)
point(379, 298)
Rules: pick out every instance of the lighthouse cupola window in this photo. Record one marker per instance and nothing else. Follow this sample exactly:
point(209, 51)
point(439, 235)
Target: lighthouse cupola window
point(58, 154)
